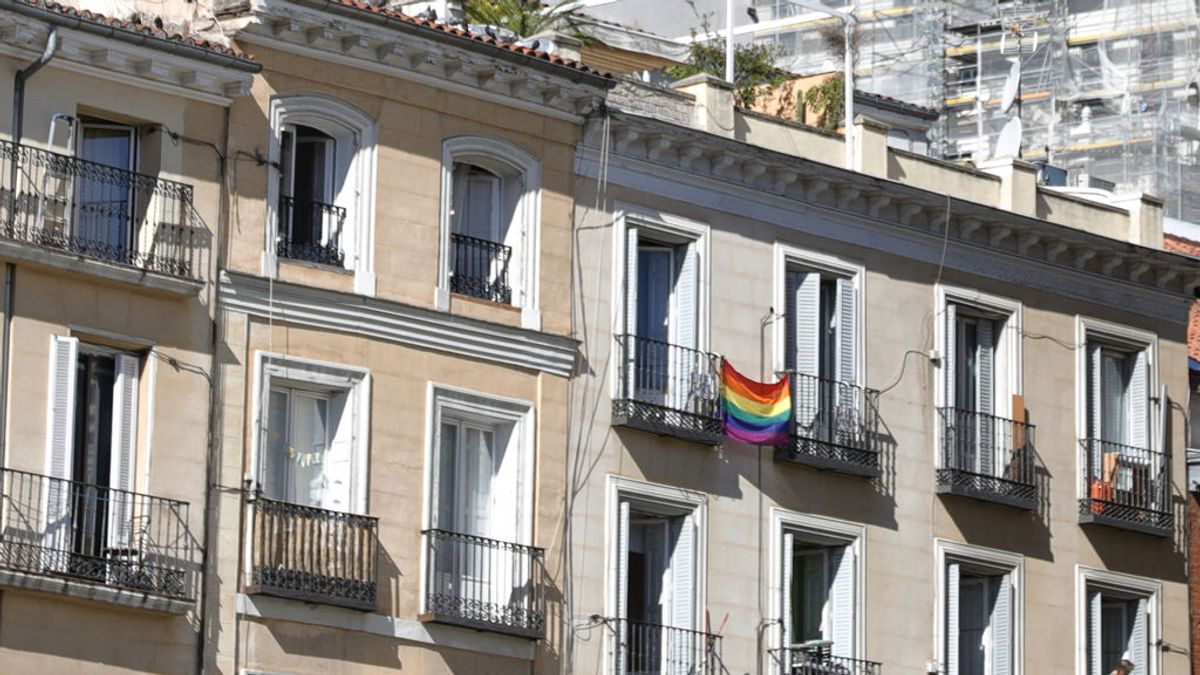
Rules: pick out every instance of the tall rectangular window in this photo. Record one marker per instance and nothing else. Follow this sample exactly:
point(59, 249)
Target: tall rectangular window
point(1117, 625)
point(819, 594)
point(104, 204)
point(979, 621)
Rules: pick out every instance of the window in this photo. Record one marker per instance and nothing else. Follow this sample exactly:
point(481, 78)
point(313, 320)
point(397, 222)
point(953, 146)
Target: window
point(91, 453)
point(980, 610)
point(105, 206)
point(491, 193)
point(322, 203)
point(1118, 621)
point(1118, 397)
point(313, 423)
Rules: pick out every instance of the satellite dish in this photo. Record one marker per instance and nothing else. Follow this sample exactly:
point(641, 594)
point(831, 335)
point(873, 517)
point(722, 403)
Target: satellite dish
point(1011, 85)
point(1008, 144)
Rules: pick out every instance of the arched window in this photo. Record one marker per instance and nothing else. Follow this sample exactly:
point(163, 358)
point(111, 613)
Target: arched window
point(490, 224)
point(321, 201)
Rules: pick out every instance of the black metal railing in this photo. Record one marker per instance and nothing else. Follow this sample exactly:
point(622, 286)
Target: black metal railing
point(485, 583)
point(987, 457)
point(311, 231)
point(479, 268)
point(89, 209)
point(1126, 486)
point(668, 389)
point(56, 527)
point(817, 660)
point(640, 648)
point(311, 554)
point(835, 425)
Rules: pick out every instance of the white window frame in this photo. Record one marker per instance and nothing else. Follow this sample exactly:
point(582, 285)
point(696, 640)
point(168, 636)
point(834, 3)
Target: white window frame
point(846, 533)
point(672, 226)
point(1135, 339)
point(271, 367)
point(1002, 562)
point(787, 255)
point(1009, 340)
point(345, 123)
point(527, 218)
point(627, 489)
point(1150, 589)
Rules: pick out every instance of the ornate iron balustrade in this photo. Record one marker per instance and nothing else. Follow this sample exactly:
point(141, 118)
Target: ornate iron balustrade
point(1125, 486)
point(816, 660)
point(63, 528)
point(835, 426)
point(311, 554)
point(668, 389)
point(479, 268)
point(987, 457)
point(68, 204)
point(641, 648)
point(484, 583)
point(311, 231)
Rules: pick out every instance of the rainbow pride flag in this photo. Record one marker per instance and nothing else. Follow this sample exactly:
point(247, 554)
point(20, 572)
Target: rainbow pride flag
point(755, 413)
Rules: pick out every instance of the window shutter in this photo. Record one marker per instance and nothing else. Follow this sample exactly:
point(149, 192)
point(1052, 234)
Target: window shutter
point(1094, 400)
point(985, 429)
point(60, 445)
point(841, 601)
point(1139, 399)
point(847, 314)
point(1094, 633)
point(792, 281)
point(1002, 627)
point(686, 369)
point(953, 576)
point(124, 451)
point(339, 458)
point(631, 311)
point(806, 305)
point(621, 576)
point(683, 574)
point(785, 621)
point(1139, 644)
point(948, 355)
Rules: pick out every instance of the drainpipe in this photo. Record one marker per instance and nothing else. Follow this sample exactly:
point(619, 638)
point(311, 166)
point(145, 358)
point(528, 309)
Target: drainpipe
point(18, 112)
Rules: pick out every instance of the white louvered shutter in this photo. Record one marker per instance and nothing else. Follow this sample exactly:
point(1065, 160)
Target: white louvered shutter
point(806, 308)
point(849, 408)
point(683, 574)
point(1095, 425)
point(953, 577)
point(1139, 402)
point(339, 458)
point(685, 368)
point(621, 576)
point(792, 283)
point(841, 601)
point(60, 445)
point(124, 452)
point(1094, 634)
point(631, 312)
point(1139, 644)
point(1002, 627)
point(985, 394)
point(949, 353)
point(785, 603)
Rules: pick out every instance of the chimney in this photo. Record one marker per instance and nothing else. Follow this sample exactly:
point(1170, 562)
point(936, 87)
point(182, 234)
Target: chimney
point(1018, 184)
point(713, 110)
point(870, 146)
point(1145, 218)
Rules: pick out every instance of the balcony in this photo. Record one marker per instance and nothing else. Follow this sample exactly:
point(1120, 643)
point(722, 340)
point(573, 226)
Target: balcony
point(653, 649)
point(836, 427)
point(987, 458)
point(311, 232)
point(67, 205)
point(479, 269)
point(668, 390)
point(815, 659)
point(485, 584)
point(311, 554)
point(1126, 487)
point(65, 536)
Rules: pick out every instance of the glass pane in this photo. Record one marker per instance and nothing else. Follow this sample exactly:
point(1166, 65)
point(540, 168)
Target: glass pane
point(1114, 392)
point(655, 279)
point(973, 616)
point(446, 478)
point(1114, 633)
point(309, 442)
point(966, 364)
point(277, 459)
point(478, 471)
point(648, 568)
point(105, 198)
point(809, 594)
point(481, 219)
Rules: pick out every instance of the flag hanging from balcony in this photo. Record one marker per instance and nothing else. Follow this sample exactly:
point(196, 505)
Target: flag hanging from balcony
point(755, 413)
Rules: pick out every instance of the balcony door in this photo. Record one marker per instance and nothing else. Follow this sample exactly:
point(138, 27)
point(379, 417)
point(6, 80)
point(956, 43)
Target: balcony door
point(971, 392)
point(979, 623)
point(1118, 424)
point(88, 502)
point(308, 456)
point(819, 580)
point(1117, 630)
point(308, 218)
point(820, 349)
point(105, 199)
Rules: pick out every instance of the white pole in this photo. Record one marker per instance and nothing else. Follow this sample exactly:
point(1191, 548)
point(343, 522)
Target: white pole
point(848, 82)
point(729, 41)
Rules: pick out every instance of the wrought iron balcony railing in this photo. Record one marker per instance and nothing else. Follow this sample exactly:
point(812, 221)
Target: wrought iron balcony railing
point(88, 209)
point(668, 389)
point(479, 268)
point(640, 648)
point(484, 583)
point(311, 554)
point(1125, 486)
point(817, 660)
point(311, 232)
point(987, 457)
point(99, 535)
point(835, 426)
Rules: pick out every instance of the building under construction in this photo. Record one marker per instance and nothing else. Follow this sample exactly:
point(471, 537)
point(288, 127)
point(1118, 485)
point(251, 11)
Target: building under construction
point(1102, 91)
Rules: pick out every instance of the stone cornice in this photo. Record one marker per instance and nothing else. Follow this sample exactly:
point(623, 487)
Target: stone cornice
point(895, 203)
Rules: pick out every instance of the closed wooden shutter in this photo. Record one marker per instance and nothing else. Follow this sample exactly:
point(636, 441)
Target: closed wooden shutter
point(124, 451)
point(950, 320)
point(683, 573)
point(841, 601)
point(60, 445)
point(847, 318)
point(785, 603)
point(686, 368)
point(805, 306)
point(1139, 401)
point(631, 313)
point(620, 568)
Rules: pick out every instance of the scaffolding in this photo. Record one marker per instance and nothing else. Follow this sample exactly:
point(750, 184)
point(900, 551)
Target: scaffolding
point(1107, 88)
